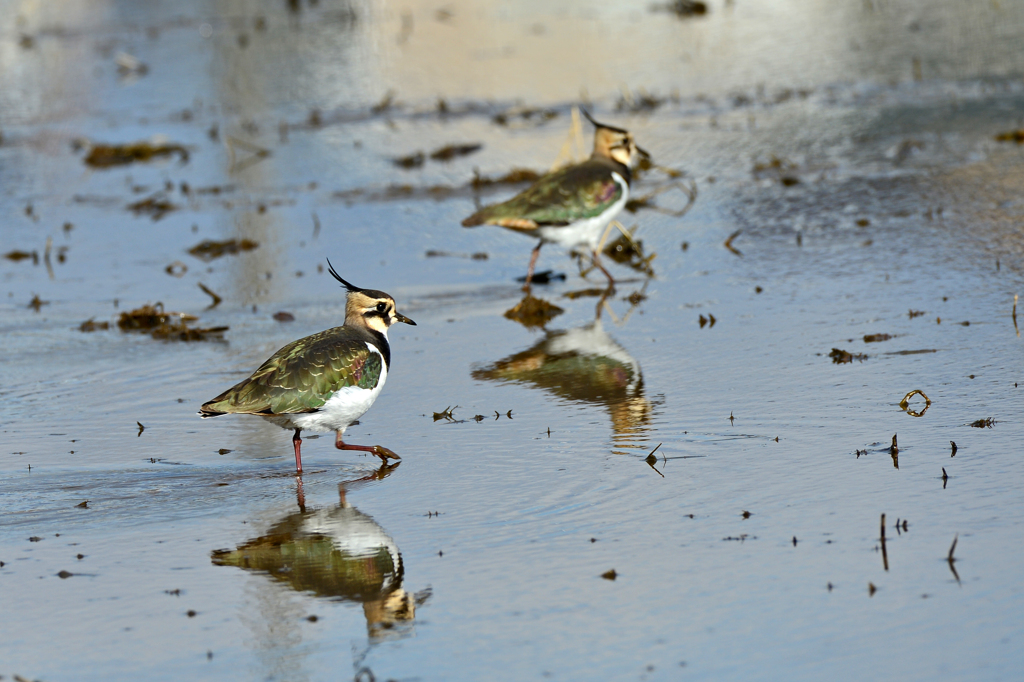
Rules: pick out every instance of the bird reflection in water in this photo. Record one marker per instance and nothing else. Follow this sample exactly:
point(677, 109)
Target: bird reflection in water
point(586, 365)
point(338, 553)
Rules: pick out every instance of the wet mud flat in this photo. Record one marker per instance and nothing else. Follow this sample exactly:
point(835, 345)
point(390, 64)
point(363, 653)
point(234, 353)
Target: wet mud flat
point(787, 444)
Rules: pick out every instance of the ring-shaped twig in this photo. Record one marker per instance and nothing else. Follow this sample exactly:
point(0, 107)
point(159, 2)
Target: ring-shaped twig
point(905, 403)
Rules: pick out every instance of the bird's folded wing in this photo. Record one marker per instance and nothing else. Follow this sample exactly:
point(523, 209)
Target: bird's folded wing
point(573, 193)
point(302, 376)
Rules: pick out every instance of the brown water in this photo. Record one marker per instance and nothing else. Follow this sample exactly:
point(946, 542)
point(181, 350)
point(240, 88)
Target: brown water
point(481, 555)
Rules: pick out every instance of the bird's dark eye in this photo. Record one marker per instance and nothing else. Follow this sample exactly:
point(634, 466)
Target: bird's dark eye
point(381, 307)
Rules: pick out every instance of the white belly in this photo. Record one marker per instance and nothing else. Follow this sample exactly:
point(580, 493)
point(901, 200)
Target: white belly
point(586, 232)
point(343, 408)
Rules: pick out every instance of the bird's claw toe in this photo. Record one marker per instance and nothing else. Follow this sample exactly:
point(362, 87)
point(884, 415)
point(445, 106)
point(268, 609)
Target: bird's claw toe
point(384, 453)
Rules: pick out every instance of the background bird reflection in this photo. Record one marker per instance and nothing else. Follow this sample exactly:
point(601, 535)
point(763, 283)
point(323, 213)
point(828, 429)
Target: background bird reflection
point(584, 364)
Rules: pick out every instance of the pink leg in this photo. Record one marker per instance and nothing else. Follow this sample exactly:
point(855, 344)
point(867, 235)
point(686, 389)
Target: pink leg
point(378, 450)
point(533, 262)
point(300, 494)
point(297, 442)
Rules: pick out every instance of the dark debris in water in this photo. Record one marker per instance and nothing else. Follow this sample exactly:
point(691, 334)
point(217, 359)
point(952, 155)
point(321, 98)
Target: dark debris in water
point(544, 277)
point(841, 357)
point(436, 192)
point(182, 332)
point(37, 303)
point(480, 255)
point(156, 206)
point(209, 249)
point(446, 413)
point(524, 117)
point(875, 338)
point(533, 312)
point(986, 423)
point(411, 161)
point(777, 168)
point(284, 316)
point(109, 155)
point(444, 154)
point(683, 9)
point(1011, 136)
point(91, 325)
point(452, 151)
point(17, 256)
point(149, 317)
point(642, 101)
point(169, 326)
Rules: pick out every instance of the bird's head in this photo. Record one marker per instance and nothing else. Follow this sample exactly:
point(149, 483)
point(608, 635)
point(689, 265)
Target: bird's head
point(369, 308)
point(616, 144)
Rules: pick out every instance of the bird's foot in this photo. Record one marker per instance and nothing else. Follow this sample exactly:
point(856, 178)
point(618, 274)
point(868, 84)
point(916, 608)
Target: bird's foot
point(379, 450)
point(384, 453)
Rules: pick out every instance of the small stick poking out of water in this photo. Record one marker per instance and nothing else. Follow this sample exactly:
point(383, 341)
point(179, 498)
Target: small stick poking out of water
point(945, 477)
point(1015, 327)
point(652, 460)
point(950, 560)
point(952, 445)
point(885, 555)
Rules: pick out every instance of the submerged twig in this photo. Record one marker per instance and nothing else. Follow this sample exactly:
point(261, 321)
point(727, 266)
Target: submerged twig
point(257, 153)
point(216, 299)
point(728, 243)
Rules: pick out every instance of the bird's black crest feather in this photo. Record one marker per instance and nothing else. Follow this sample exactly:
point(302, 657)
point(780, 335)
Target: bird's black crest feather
point(602, 125)
point(348, 285)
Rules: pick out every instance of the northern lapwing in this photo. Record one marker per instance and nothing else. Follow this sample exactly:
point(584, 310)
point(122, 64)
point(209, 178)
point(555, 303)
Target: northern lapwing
point(573, 205)
point(326, 381)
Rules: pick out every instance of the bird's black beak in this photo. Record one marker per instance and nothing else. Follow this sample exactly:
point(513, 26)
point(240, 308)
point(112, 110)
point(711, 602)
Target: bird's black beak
point(403, 318)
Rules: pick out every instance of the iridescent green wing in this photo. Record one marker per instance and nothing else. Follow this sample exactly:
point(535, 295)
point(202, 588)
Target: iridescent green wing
point(303, 375)
point(582, 191)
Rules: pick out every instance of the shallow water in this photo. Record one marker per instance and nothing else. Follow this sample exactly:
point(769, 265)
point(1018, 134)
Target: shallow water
point(480, 556)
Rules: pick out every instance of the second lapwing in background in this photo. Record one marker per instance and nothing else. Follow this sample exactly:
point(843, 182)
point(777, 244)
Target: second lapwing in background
point(572, 206)
point(326, 381)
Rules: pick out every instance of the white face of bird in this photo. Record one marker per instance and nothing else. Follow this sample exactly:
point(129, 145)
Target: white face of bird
point(372, 309)
point(618, 145)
